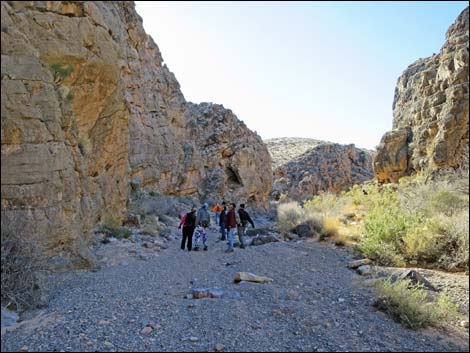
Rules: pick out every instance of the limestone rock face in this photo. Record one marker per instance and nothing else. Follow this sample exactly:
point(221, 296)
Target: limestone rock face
point(430, 109)
point(326, 167)
point(87, 107)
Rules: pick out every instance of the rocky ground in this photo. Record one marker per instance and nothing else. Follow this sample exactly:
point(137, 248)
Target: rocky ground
point(145, 303)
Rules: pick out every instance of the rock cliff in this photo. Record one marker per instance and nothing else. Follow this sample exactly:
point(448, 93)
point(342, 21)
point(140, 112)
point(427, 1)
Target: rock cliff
point(326, 167)
point(88, 106)
point(430, 110)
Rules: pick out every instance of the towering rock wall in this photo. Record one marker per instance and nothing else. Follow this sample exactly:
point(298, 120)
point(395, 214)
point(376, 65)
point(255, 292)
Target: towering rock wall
point(87, 105)
point(430, 109)
point(327, 167)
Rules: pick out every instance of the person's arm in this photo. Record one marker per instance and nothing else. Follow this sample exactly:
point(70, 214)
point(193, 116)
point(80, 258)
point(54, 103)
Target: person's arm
point(198, 218)
point(250, 220)
point(183, 219)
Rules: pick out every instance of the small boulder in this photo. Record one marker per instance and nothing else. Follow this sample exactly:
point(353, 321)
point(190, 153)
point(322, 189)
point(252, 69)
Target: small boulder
point(250, 277)
point(263, 239)
point(365, 270)
point(219, 347)
point(358, 263)
point(146, 330)
point(416, 278)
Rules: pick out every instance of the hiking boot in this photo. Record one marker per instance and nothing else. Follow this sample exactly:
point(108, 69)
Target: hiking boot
point(242, 246)
point(196, 249)
point(205, 248)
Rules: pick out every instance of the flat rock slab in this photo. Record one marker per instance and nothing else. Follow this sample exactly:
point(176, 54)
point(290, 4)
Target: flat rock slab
point(250, 277)
point(200, 293)
point(264, 239)
point(416, 278)
point(358, 263)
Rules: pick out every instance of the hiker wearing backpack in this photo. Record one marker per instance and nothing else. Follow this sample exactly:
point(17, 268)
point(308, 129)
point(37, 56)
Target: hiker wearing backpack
point(188, 222)
point(202, 223)
point(244, 220)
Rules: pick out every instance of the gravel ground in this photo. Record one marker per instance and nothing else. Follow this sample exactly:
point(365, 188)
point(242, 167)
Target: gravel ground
point(314, 304)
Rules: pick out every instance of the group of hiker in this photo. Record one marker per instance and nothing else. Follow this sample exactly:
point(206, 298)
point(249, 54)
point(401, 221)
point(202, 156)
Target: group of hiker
point(230, 222)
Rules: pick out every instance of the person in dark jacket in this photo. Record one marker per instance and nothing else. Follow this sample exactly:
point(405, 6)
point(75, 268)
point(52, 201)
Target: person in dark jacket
point(222, 221)
point(188, 222)
point(244, 220)
point(231, 225)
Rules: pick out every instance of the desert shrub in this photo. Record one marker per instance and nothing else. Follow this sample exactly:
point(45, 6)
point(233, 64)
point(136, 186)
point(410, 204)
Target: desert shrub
point(412, 306)
point(447, 202)
point(384, 228)
point(423, 242)
point(84, 144)
point(330, 228)
point(112, 228)
point(21, 264)
point(289, 215)
point(69, 96)
point(454, 245)
point(112, 223)
point(61, 70)
point(325, 203)
point(122, 232)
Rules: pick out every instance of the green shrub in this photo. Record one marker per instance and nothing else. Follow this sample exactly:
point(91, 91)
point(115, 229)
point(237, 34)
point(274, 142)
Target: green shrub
point(122, 233)
point(61, 70)
point(446, 202)
point(412, 306)
point(69, 96)
point(423, 242)
point(112, 223)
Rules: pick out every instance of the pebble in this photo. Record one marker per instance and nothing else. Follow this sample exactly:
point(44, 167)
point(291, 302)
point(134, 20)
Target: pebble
point(219, 347)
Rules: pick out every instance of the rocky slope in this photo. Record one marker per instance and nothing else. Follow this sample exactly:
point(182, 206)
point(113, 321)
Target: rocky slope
point(325, 167)
point(430, 109)
point(88, 106)
point(285, 149)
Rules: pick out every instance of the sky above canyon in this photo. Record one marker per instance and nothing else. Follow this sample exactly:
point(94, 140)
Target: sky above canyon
point(323, 70)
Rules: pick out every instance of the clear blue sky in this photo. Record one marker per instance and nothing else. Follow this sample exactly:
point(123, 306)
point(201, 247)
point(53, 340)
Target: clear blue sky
point(324, 70)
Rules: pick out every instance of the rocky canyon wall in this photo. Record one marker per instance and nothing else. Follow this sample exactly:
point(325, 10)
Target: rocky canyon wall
point(87, 106)
point(430, 110)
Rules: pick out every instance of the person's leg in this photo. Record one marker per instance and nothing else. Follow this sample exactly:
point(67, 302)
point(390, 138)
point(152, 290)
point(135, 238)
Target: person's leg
point(231, 234)
point(217, 217)
point(197, 237)
point(241, 233)
point(185, 235)
point(204, 238)
point(222, 232)
point(190, 238)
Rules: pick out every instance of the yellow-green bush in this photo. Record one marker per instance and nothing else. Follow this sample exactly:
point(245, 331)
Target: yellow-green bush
point(289, 215)
point(412, 306)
